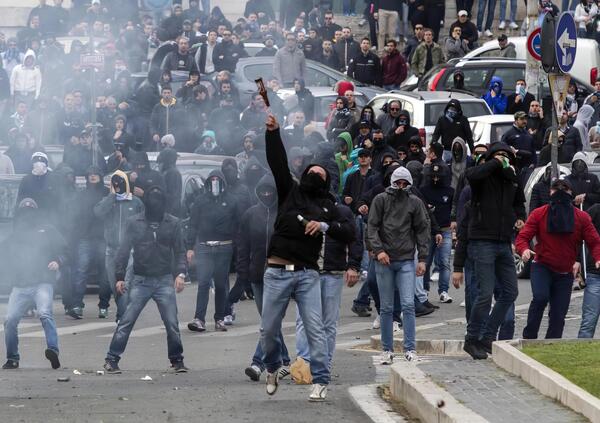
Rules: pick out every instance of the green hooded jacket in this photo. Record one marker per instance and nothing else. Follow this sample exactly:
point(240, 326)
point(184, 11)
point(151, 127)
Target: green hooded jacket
point(341, 162)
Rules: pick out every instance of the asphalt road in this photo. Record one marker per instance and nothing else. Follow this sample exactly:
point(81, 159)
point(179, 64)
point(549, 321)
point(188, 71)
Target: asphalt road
point(215, 389)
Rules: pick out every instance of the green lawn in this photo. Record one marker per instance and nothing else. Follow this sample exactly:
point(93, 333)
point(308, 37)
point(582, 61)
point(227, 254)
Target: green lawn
point(577, 361)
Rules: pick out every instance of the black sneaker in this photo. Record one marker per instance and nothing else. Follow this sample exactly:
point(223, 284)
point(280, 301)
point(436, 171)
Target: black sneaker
point(112, 368)
point(424, 311)
point(361, 311)
point(486, 345)
point(75, 313)
point(10, 365)
point(179, 367)
point(473, 348)
point(428, 304)
point(52, 356)
point(253, 372)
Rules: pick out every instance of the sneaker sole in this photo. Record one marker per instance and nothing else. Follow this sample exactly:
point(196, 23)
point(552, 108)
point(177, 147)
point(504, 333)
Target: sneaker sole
point(114, 372)
point(425, 313)
point(274, 392)
point(316, 399)
point(52, 356)
point(195, 328)
point(181, 371)
point(251, 374)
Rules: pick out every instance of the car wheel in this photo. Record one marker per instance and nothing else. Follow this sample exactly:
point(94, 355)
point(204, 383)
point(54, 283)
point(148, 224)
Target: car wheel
point(522, 268)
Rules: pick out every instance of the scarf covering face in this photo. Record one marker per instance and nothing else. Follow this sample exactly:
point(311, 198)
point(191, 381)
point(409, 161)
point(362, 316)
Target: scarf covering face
point(561, 215)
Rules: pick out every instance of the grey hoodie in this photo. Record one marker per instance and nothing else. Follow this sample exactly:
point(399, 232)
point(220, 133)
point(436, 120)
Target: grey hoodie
point(458, 168)
point(582, 124)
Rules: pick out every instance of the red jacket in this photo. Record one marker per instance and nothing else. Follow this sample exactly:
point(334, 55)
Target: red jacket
point(394, 68)
point(558, 251)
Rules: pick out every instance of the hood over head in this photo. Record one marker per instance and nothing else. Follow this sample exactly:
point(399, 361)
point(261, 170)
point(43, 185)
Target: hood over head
point(209, 133)
point(415, 168)
point(406, 114)
point(155, 204)
point(496, 80)
point(579, 164)
point(401, 173)
point(167, 158)
point(459, 145)
point(454, 103)
point(500, 146)
point(230, 171)
point(217, 187)
point(29, 53)
point(584, 114)
point(346, 137)
point(26, 215)
point(266, 183)
point(119, 183)
point(312, 184)
point(254, 171)
point(139, 158)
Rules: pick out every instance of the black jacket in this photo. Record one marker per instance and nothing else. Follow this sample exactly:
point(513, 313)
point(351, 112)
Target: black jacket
point(346, 49)
point(521, 106)
point(365, 68)
point(289, 241)
point(86, 224)
point(157, 251)
point(594, 213)
point(447, 130)
point(225, 56)
point(540, 195)
point(340, 255)
point(332, 60)
point(354, 188)
point(439, 199)
point(497, 200)
point(256, 228)
point(401, 140)
point(174, 61)
point(521, 139)
point(588, 184)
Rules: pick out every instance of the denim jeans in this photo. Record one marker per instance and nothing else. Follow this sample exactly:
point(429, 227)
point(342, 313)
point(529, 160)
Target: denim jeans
point(363, 299)
point(565, 5)
point(257, 359)
point(552, 288)
point(389, 87)
point(349, 6)
point(212, 263)
point(279, 286)
point(142, 289)
point(513, 10)
point(91, 254)
point(374, 291)
point(481, 6)
point(493, 264)
point(591, 306)
point(121, 299)
point(331, 299)
point(360, 230)
point(440, 254)
point(19, 302)
point(398, 275)
point(464, 5)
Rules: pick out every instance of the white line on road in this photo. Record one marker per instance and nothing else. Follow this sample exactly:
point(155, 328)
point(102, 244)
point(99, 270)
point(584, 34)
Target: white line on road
point(367, 399)
point(23, 326)
point(72, 330)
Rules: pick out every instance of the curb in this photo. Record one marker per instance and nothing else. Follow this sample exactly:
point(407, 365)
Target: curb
point(426, 400)
point(506, 354)
point(375, 408)
point(427, 346)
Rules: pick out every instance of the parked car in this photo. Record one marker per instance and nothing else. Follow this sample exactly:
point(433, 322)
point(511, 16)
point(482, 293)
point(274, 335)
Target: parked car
point(253, 48)
point(490, 128)
point(426, 107)
point(585, 68)
point(317, 75)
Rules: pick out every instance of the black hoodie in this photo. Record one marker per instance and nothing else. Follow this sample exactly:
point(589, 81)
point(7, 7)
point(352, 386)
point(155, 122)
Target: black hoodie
point(289, 241)
point(401, 140)
point(447, 130)
point(167, 160)
point(86, 225)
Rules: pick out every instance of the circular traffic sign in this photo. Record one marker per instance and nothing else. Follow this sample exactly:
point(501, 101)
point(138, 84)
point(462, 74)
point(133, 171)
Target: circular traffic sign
point(534, 44)
point(565, 42)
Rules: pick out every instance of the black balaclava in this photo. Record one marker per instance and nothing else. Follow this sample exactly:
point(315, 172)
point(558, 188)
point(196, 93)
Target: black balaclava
point(94, 170)
point(155, 203)
point(27, 215)
point(253, 174)
point(167, 159)
point(119, 184)
point(267, 196)
point(230, 171)
point(457, 152)
point(561, 214)
point(312, 184)
point(387, 178)
point(579, 167)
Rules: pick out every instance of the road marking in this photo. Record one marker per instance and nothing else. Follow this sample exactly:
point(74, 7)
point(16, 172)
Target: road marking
point(72, 330)
point(367, 399)
point(23, 326)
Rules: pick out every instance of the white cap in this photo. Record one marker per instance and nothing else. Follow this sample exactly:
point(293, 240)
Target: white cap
point(402, 173)
point(38, 155)
point(95, 1)
point(463, 13)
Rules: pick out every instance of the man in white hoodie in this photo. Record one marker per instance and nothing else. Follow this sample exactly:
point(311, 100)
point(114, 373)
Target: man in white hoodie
point(26, 80)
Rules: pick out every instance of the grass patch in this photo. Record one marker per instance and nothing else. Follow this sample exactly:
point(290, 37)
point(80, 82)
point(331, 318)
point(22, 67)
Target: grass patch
point(577, 361)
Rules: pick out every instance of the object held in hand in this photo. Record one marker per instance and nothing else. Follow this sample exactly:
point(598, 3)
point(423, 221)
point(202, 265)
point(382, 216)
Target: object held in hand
point(262, 90)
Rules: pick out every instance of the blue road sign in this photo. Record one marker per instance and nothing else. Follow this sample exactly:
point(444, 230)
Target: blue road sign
point(566, 42)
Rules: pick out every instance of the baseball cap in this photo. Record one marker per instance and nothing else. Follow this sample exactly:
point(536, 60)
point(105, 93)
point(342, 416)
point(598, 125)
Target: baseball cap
point(462, 13)
point(364, 124)
point(520, 114)
point(364, 152)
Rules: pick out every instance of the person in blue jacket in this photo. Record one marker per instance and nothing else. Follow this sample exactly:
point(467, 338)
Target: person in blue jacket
point(494, 97)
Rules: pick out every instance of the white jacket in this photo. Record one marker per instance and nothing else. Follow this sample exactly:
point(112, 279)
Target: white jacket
point(26, 78)
point(581, 14)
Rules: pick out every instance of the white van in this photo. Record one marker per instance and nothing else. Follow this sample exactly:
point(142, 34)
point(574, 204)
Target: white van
point(587, 59)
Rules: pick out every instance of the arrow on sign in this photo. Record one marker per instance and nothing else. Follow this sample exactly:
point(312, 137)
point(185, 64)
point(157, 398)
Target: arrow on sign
point(565, 43)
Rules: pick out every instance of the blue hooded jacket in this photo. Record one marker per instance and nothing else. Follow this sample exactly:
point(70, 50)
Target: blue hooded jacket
point(498, 103)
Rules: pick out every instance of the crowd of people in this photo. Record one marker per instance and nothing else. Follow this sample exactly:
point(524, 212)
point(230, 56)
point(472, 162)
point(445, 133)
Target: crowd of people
point(363, 202)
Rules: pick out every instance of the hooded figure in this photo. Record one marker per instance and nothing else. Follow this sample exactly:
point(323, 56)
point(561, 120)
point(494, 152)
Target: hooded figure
point(583, 182)
point(235, 186)
point(325, 157)
point(341, 119)
point(306, 100)
point(345, 148)
point(146, 176)
point(253, 172)
point(561, 214)
point(494, 97)
point(402, 131)
point(459, 80)
point(155, 204)
point(26, 79)
point(167, 160)
point(416, 170)
point(582, 123)
point(36, 184)
point(459, 160)
point(451, 125)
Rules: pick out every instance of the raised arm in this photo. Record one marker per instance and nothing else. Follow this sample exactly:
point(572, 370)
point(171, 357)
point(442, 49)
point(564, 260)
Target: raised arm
point(277, 159)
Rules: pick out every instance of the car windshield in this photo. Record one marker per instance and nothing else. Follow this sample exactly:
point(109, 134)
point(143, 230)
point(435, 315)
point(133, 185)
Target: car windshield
point(470, 109)
point(498, 130)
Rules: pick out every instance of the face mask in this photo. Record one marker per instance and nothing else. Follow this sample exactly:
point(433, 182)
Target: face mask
point(377, 140)
point(118, 184)
point(154, 200)
point(534, 115)
point(579, 166)
point(458, 154)
point(402, 122)
point(215, 187)
point(312, 184)
point(231, 175)
point(451, 114)
point(267, 200)
point(496, 89)
point(367, 115)
point(39, 168)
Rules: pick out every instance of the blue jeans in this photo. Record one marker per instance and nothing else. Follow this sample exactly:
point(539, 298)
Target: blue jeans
point(349, 6)
point(441, 255)
point(19, 302)
point(279, 286)
point(591, 306)
point(360, 230)
point(553, 288)
point(331, 299)
point(398, 275)
point(212, 263)
point(91, 255)
point(142, 289)
point(389, 87)
point(121, 299)
point(513, 10)
point(565, 5)
point(493, 264)
point(491, 5)
point(257, 360)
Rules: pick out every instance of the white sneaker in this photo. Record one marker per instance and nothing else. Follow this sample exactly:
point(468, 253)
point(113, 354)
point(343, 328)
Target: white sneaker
point(377, 323)
point(463, 304)
point(272, 382)
point(488, 33)
point(318, 393)
point(386, 358)
point(513, 25)
point(478, 34)
point(397, 327)
point(411, 355)
point(502, 25)
point(228, 320)
point(445, 298)
point(283, 372)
